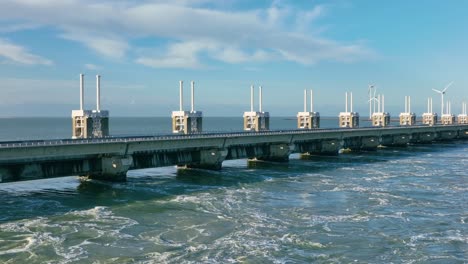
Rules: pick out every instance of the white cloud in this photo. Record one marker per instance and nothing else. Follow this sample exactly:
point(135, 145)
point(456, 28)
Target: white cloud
point(18, 27)
point(19, 54)
point(189, 28)
point(179, 55)
point(92, 67)
point(108, 46)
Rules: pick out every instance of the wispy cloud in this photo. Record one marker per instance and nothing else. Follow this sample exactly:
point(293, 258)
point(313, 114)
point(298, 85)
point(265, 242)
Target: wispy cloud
point(19, 54)
point(8, 28)
point(191, 30)
point(90, 66)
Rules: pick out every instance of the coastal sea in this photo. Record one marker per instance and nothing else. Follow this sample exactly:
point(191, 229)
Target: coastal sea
point(394, 205)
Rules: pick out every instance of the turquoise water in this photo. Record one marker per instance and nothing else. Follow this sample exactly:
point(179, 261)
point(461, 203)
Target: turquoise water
point(401, 205)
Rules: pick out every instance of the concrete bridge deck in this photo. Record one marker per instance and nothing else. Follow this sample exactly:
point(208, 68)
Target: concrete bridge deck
point(110, 158)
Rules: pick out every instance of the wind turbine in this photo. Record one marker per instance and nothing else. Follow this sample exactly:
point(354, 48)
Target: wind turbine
point(442, 97)
point(372, 99)
point(369, 91)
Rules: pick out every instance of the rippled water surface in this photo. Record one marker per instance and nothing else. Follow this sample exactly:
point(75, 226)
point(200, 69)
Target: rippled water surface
point(402, 205)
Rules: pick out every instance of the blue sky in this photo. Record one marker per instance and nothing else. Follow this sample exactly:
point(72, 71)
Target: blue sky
point(143, 48)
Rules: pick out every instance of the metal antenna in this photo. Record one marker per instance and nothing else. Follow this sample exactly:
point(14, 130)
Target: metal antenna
point(351, 102)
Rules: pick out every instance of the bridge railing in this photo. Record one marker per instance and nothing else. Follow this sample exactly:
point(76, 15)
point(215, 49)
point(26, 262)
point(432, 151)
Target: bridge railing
point(221, 134)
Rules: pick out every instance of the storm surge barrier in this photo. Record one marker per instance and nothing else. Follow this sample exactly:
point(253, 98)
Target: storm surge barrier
point(110, 158)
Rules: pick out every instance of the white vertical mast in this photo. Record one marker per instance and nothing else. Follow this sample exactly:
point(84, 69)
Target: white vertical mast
point(409, 104)
point(98, 93)
point(442, 105)
point(305, 100)
point(260, 99)
point(431, 104)
point(351, 102)
point(81, 91)
point(193, 96)
point(379, 106)
point(346, 105)
point(370, 101)
point(311, 101)
point(181, 94)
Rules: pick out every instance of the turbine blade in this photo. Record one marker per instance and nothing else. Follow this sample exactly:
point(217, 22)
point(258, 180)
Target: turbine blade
point(437, 91)
point(446, 87)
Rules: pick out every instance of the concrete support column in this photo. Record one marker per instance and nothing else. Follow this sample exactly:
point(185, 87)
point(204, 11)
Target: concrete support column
point(328, 147)
point(113, 168)
point(396, 140)
point(276, 152)
point(210, 159)
point(447, 135)
point(370, 143)
point(5, 175)
point(361, 143)
point(426, 137)
point(463, 134)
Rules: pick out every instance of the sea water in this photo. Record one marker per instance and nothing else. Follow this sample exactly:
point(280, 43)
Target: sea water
point(394, 205)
